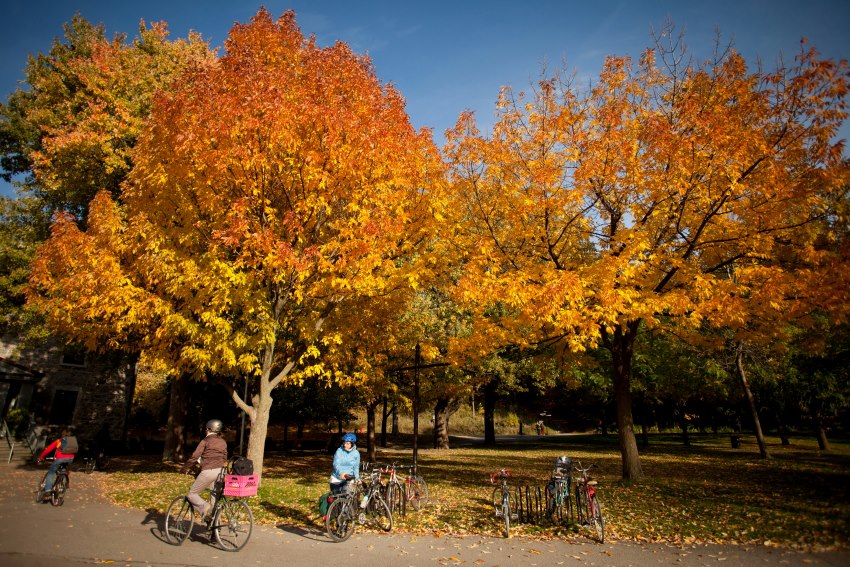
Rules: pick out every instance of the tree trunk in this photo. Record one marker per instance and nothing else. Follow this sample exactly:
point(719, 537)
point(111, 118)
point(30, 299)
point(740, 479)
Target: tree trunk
point(781, 429)
point(395, 421)
point(133, 371)
point(262, 403)
point(299, 433)
point(384, 416)
point(820, 430)
point(681, 413)
point(621, 346)
point(175, 428)
point(443, 410)
point(751, 403)
point(371, 450)
point(490, 413)
point(644, 425)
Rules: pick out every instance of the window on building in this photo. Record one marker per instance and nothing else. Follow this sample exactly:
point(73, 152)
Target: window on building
point(74, 357)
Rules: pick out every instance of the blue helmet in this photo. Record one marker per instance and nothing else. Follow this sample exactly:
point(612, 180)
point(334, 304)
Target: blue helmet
point(349, 437)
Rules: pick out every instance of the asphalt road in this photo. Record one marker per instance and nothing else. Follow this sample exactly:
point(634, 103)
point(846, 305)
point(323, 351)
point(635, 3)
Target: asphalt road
point(88, 530)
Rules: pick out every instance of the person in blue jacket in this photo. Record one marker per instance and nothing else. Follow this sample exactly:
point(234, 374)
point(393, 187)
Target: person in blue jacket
point(346, 465)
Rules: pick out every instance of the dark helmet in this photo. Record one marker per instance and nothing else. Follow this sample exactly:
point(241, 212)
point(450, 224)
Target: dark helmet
point(349, 437)
point(215, 425)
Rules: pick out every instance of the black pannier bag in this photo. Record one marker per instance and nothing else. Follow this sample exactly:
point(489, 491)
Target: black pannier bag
point(243, 466)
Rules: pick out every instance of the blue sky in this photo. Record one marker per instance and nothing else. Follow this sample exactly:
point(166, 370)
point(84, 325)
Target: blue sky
point(448, 56)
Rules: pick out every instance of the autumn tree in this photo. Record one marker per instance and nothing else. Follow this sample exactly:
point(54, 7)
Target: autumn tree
point(593, 212)
point(270, 188)
point(69, 131)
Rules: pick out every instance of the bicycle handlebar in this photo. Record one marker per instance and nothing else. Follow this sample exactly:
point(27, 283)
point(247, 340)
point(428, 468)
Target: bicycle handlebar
point(503, 473)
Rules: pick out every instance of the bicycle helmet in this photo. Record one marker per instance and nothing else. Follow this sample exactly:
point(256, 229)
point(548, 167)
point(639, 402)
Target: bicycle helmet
point(351, 437)
point(214, 425)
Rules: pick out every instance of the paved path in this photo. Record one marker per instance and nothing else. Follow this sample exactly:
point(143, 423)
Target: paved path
point(88, 530)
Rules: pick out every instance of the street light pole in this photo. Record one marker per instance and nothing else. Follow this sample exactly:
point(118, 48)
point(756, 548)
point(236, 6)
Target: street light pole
point(416, 410)
point(242, 431)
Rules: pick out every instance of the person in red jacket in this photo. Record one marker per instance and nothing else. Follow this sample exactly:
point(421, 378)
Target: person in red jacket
point(59, 458)
point(212, 454)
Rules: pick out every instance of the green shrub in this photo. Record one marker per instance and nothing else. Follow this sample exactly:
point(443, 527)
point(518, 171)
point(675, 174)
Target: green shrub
point(17, 419)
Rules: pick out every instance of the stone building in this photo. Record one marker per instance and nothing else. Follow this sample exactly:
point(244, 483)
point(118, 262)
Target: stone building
point(65, 386)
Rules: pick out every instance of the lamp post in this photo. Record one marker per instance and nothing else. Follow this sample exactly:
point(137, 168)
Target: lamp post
point(416, 409)
point(242, 430)
point(416, 367)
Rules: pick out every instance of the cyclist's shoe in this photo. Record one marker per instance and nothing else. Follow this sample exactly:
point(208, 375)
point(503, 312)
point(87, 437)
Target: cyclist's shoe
point(208, 516)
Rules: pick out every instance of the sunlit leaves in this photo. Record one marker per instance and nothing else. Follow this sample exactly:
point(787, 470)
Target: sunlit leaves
point(270, 188)
point(641, 195)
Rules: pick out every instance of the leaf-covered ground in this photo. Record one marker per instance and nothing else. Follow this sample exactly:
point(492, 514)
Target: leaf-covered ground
point(707, 492)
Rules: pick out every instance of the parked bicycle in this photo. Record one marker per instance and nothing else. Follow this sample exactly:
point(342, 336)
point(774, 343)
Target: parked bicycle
point(559, 508)
point(416, 489)
point(61, 482)
point(231, 521)
point(393, 490)
point(364, 504)
point(91, 463)
point(588, 507)
point(400, 491)
point(504, 502)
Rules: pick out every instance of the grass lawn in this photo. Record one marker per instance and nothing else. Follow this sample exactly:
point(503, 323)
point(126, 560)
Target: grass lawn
point(707, 492)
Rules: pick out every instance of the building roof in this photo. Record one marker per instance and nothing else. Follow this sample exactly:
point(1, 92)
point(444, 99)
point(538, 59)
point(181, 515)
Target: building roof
point(11, 370)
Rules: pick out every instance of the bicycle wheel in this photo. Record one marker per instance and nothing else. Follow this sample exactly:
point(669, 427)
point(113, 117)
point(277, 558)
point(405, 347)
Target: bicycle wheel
point(60, 485)
point(551, 504)
point(179, 520)
point(399, 498)
point(414, 494)
point(232, 524)
point(580, 511)
point(595, 516)
point(563, 503)
point(390, 493)
point(423, 489)
point(41, 492)
point(380, 513)
point(506, 514)
point(497, 501)
point(340, 520)
point(88, 465)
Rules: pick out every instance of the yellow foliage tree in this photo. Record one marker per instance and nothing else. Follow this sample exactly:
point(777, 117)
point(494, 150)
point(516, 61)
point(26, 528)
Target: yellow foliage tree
point(589, 213)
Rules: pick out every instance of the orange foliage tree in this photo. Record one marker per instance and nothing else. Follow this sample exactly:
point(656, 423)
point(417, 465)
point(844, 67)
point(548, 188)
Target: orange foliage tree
point(654, 198)
point(73, 130)
point(270, 189)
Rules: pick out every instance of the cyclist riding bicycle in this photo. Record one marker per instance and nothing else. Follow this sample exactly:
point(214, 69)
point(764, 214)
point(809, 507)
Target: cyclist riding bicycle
point(59, 458)
point(346, 466)
point(212, 454)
